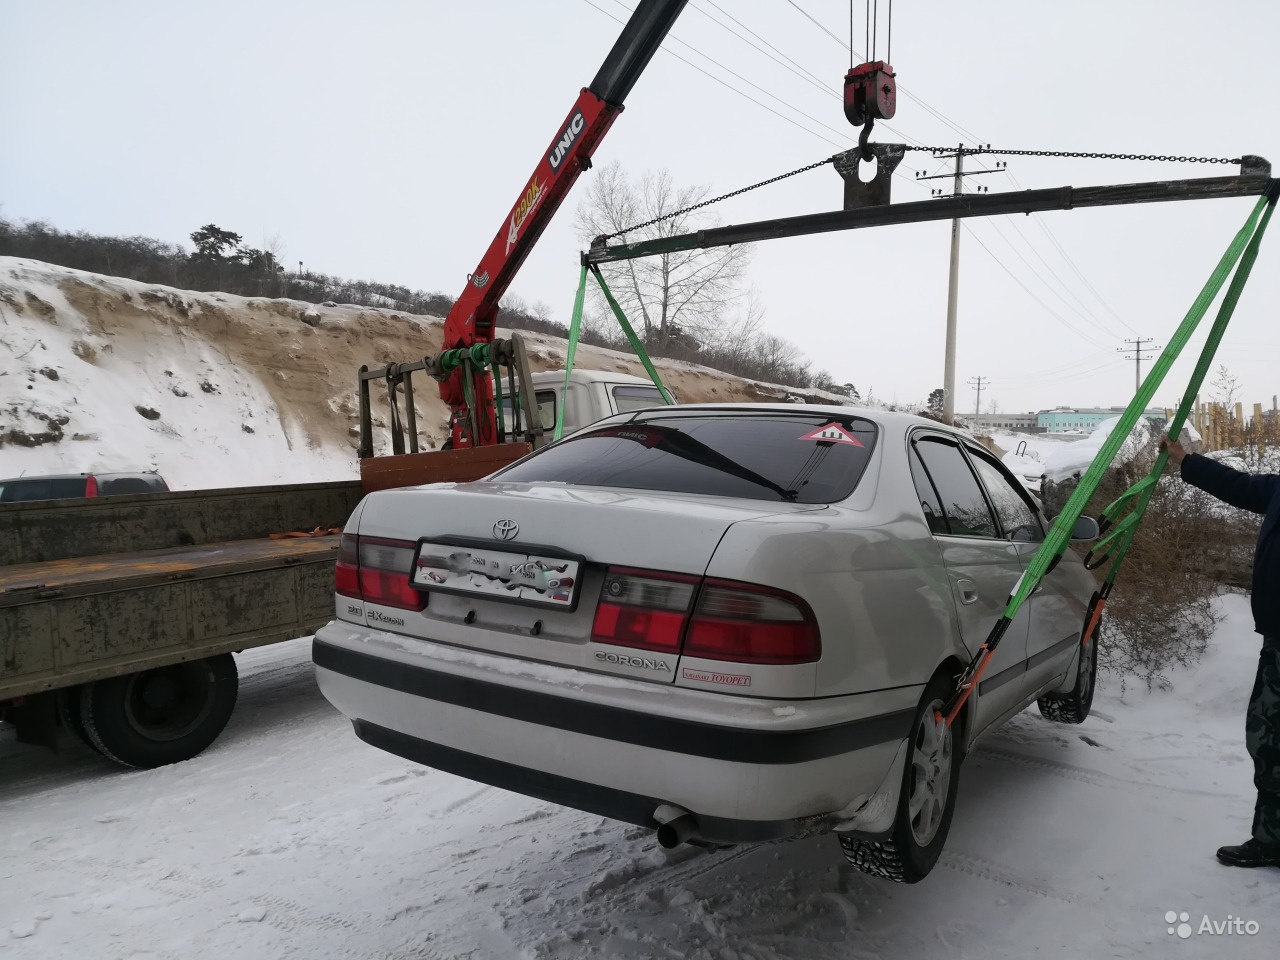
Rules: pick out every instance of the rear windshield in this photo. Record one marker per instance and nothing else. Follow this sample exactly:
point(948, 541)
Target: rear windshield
point(798, 458)
point(121, 485)
point(546, 411)
point(43, 488)
point(626, 399)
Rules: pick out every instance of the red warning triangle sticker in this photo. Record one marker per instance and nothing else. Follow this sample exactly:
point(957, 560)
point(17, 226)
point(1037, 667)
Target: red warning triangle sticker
point(832, 433)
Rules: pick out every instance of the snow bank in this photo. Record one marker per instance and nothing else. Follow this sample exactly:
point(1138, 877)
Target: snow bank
point(1073, 458)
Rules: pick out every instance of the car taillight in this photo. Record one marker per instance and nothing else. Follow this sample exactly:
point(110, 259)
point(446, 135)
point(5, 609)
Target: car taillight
point(639, 608)
point(376, 570)
point(346, 572)
point(745, 623)
point(91, 487)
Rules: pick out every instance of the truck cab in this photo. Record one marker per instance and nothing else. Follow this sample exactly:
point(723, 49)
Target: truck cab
point(593, 395)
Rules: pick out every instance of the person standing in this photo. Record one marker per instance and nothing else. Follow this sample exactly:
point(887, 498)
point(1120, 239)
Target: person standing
point(1259, 493)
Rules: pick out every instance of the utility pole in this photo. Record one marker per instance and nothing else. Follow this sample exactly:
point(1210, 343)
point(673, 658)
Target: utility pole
point(953, 278)
point(978, 383)
point(1136, 349)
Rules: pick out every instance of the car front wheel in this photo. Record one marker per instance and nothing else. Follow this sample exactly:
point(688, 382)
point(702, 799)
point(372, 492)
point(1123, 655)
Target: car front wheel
point(926, 802)
point(1074, 705)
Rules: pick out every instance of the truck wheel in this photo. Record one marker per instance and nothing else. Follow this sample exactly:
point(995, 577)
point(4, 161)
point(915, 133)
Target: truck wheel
point(69, 712)
point(163, 715)
point(926, 802)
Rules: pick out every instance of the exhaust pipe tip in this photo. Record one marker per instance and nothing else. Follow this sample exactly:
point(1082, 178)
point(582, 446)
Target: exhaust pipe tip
point(680, 830)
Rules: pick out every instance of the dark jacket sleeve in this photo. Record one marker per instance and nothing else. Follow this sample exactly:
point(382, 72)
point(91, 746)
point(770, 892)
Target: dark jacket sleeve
point(1244, 490)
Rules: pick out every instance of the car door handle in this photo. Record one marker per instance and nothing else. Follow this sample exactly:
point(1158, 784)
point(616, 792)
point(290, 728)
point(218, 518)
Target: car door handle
point(968, 592)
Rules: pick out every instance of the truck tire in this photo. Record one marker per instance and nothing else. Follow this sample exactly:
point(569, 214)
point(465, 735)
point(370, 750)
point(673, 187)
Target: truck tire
point(160, 716)
point(69, 713)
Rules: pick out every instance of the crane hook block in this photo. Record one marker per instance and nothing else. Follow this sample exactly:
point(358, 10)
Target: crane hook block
point(870, 93)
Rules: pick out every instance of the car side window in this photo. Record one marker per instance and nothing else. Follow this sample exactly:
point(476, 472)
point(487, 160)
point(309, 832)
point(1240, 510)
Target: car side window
point(928, 496)
point(963, 503)
point(1017, 518)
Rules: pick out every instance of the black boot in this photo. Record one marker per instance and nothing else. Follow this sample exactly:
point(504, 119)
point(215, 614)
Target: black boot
point(1251, 853)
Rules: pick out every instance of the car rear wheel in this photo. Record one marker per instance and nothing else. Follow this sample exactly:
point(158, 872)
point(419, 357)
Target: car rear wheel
point(1074, 706)
point(160, 716)
point(926, 802)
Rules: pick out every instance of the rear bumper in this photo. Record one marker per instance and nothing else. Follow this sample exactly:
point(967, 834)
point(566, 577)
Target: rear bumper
point(748, 769)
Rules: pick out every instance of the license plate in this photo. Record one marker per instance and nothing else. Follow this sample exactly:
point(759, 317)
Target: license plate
point(497, 574)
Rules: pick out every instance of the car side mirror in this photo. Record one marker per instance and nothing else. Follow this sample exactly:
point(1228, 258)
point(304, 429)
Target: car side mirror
point(1086, 528)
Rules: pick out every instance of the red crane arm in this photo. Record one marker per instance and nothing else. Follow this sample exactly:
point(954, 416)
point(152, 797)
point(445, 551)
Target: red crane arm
point(471, 320)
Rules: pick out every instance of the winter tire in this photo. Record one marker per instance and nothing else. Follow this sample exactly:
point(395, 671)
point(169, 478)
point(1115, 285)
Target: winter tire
point(69, 713)
point(1074, 706)
point(927, 801)
point(160, 716)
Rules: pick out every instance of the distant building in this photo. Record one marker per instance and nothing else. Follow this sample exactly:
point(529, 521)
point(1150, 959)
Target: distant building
point(1015, 422)
point(1086, 419)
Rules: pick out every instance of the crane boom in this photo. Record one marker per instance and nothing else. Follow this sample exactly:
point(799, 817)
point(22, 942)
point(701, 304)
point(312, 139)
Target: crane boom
point(471, 321)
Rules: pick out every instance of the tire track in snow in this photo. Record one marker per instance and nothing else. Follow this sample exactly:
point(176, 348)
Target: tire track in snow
point(300, 925)
point(976, 866)
point(1094, 778)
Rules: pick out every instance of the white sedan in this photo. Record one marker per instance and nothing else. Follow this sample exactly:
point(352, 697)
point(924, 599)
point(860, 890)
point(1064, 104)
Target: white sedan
point(729, 623)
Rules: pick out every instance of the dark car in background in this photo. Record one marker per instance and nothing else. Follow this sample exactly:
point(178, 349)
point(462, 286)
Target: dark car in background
point(77, 486)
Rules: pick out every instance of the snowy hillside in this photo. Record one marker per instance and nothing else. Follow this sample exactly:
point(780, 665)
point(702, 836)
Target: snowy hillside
point(100, 373)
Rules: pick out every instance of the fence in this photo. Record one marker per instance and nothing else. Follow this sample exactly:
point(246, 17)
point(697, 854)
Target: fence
point(1223, 427)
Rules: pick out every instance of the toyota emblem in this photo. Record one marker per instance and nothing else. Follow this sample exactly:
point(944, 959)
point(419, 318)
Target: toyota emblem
point(505, 530)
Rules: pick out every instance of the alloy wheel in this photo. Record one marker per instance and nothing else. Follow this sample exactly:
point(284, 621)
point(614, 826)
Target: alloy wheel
point(931, 759)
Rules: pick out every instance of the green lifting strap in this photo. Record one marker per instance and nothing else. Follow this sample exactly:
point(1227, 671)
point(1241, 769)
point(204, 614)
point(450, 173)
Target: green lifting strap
point(1138, 496)
point(636, 345)
point(1058, 539)
point(497, 397)
point(575, 326)
point(482, 356)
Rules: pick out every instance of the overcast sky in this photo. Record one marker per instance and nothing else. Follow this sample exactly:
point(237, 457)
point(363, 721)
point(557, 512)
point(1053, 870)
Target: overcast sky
point(388, 140)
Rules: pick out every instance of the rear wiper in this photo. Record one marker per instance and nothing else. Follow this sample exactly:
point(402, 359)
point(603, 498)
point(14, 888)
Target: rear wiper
point(687, 448)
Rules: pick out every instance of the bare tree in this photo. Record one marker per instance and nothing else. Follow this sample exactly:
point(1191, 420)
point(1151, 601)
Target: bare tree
point(1226, 386)
point(1224, 429)
point(672, 298)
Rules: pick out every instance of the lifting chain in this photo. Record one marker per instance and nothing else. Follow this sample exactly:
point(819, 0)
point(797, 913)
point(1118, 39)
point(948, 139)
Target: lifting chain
point(1083, 156)
point(968, 151)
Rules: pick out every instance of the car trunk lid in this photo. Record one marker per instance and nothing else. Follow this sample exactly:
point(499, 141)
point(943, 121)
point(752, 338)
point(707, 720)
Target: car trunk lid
point(492, 560)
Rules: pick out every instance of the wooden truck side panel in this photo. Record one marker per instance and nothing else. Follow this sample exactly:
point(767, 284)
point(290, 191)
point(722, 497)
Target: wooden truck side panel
point(67, 622)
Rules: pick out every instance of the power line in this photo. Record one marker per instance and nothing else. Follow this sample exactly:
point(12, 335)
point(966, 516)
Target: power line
point(728, 85)
point(1048, 309)
point(805, 75)
point(1081, 310)
point(968, 134)
point(849, 137)
point(1052, 377)
point(796, 68)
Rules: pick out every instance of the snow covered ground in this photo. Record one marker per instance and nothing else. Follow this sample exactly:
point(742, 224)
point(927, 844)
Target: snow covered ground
point(290, 838)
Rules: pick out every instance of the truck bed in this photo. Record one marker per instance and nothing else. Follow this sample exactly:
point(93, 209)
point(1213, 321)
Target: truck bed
point(79, 619)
